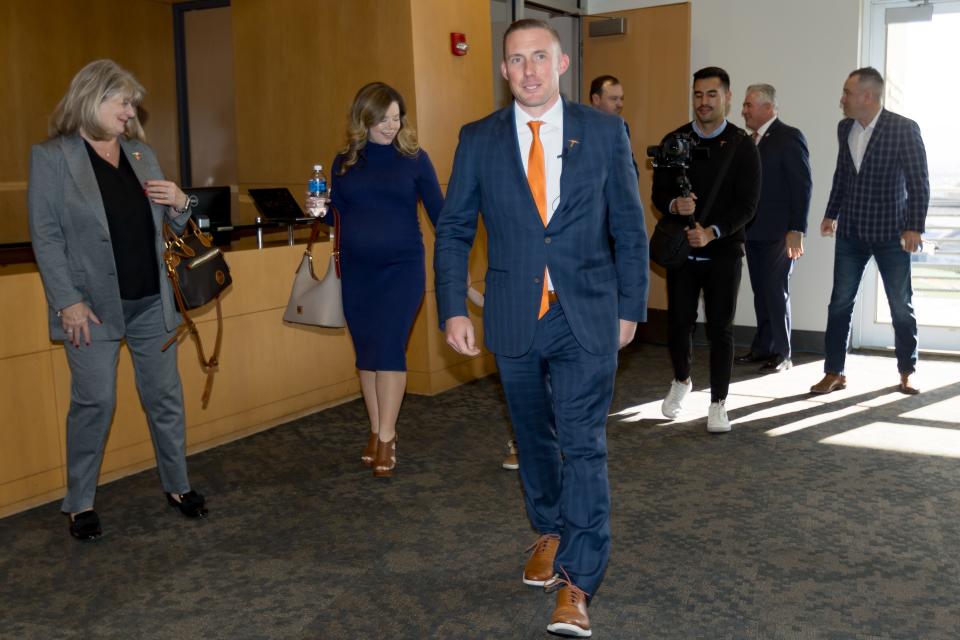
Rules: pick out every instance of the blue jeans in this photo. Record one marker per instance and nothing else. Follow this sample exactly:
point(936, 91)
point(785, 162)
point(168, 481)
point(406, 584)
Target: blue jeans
point(850, 259)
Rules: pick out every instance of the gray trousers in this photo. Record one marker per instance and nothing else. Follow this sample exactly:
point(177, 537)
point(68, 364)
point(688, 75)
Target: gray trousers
point(93, 396)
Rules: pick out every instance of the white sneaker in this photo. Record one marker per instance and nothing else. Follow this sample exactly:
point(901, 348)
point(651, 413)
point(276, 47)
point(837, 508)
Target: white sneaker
point(674, 401)
point(717, 420)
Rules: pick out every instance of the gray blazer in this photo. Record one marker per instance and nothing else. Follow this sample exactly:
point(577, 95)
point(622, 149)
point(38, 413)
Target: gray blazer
point(71, 239)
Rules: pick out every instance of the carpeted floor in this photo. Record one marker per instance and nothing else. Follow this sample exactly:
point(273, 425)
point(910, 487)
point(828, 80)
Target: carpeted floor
point(817, 517)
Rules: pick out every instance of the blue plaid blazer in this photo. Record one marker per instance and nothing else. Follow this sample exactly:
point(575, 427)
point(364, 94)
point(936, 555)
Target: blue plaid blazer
point(891, 192)
point(595, 244)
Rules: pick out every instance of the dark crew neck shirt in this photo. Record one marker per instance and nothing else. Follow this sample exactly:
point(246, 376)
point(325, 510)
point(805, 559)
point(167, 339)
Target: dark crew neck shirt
point(130, 220)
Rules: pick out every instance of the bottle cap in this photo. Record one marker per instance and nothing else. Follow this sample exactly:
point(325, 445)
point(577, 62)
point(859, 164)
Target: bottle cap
point(318, 167)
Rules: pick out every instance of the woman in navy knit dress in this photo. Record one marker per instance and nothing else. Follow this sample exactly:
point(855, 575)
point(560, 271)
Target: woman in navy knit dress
point(376, 183)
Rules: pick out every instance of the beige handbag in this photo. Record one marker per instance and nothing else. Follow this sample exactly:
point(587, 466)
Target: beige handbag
point(318, 301)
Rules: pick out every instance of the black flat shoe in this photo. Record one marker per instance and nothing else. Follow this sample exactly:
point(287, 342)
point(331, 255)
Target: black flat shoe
point(191, 504)
point(750, 357)
point(85, 526)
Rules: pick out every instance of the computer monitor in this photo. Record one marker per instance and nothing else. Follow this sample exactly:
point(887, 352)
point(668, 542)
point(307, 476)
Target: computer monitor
point(213, 203)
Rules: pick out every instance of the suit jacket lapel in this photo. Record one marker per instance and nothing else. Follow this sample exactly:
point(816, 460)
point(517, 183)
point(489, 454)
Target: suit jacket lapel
point(507, 133)
point(78, 163)
point(572, 138)
point(878, 131)
point(144, 170)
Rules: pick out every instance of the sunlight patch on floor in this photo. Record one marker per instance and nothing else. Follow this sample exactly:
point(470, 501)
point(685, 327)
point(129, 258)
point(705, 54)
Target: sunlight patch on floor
point(813, 421)
point(888, 436)
point(944, 411)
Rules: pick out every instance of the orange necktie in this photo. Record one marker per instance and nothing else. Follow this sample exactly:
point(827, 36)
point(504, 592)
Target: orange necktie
point(537, 177)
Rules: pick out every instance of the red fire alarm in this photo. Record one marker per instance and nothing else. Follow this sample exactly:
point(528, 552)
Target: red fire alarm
point(458, 44)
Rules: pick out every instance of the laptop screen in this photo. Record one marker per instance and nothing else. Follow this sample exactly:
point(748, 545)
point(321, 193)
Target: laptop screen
point(276, 203)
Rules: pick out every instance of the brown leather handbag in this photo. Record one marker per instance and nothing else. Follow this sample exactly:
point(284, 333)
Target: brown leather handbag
point(199, 274)
point(318, 301)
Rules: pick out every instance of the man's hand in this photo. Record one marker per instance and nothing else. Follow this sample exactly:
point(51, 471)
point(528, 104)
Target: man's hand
point(685, 206)
point(700, 237)
point(794, 244)
point(828, 226)
point(628, 329)
point(911, 241)
point(460, 335)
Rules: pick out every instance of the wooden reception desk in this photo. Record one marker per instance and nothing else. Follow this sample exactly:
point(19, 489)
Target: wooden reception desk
point(269, 373)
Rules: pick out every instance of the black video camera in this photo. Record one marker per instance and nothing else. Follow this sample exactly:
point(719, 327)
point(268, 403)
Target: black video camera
point(676, 151)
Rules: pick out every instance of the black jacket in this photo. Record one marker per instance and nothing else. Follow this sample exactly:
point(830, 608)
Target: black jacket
point(736, 199)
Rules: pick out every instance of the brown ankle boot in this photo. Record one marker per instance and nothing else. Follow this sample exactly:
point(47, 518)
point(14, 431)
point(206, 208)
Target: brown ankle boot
point(386, 459)
point(370, 452)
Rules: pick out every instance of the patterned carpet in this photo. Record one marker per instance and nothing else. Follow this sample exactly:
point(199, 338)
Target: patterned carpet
point(817, 517)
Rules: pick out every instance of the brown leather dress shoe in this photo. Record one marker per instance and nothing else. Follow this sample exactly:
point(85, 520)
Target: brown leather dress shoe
point(570, 615)
point(386, 458)
point(830, 382)
point(370, 452)
point(539, 567)
point(906, 387)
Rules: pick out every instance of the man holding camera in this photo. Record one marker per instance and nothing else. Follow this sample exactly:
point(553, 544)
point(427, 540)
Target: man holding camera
point(724, 173)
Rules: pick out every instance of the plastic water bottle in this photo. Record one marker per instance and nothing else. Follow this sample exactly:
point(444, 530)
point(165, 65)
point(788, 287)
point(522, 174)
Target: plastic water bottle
point(316, 191)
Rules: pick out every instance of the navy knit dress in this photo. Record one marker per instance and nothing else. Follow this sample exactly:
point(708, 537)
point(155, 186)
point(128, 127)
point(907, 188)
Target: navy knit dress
point(381, 249)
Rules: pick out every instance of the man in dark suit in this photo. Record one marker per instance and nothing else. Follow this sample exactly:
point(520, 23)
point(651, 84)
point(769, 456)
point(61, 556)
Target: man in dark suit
point(606, 94)
point(566, 285)
point(725, 180)
point(877, 207)
point(775, 235)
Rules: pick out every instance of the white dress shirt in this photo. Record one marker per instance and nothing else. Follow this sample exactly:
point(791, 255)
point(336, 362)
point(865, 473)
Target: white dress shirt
point(762, 131)
point(551, 137)
point(859, 138)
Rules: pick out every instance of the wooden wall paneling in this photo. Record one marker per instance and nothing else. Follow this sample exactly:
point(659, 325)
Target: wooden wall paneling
point(29, 439)
point(23, 308)
point(210, 77)
point(298, 66)
point(14, 226)
point(451, 91)
point(652, 61)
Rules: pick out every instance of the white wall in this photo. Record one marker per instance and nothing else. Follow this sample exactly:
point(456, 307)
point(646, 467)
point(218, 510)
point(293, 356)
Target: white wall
point(805, 48)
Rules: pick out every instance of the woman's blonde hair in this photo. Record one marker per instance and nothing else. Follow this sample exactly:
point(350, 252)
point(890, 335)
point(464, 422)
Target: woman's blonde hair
point(369, 107)
point(78, 109)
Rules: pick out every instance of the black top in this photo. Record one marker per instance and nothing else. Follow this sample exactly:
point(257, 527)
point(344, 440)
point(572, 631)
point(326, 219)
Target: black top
point(737, 197)
point(132, 233)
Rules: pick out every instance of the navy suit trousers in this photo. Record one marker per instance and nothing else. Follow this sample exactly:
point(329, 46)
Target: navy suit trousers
point(559, 395)
point(770, 270)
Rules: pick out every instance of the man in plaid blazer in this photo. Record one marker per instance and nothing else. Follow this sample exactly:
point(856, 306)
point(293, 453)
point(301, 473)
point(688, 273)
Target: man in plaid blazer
point(877, 207)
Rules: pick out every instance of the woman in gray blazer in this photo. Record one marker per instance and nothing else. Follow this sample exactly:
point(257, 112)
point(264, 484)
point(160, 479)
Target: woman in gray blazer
point(97, 202)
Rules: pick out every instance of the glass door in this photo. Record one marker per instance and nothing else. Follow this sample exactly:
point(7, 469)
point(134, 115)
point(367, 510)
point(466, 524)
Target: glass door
point(913, 46)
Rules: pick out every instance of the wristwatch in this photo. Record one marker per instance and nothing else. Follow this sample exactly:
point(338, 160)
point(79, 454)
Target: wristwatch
point(190, 204)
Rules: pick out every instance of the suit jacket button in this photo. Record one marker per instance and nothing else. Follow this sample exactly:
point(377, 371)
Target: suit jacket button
point(547, 240)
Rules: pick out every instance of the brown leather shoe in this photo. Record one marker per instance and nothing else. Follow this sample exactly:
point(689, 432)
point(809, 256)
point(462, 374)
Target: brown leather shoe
point(906, 387)
point(511, 461)
point(386, 458)
point(830, 382)
point(370, 452)
point(539, 567)
point(570, 615)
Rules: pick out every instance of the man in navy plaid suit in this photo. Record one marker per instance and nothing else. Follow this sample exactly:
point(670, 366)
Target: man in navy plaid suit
point(566, 285)
point(877, 207)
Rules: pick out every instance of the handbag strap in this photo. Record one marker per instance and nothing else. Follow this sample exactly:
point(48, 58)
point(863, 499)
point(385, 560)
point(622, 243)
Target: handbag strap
point(315, 235)
point(188, 327)
point(727, 160)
